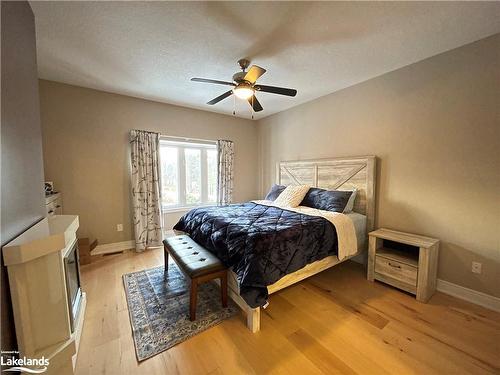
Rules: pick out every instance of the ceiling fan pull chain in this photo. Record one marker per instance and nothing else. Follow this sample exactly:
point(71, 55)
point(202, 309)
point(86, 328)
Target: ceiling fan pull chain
point(234, 105)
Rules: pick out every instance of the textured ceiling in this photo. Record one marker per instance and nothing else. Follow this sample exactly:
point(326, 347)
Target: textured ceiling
point(152, 49)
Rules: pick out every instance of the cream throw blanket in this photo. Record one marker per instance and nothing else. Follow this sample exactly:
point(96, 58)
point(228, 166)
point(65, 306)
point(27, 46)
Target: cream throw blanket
point(346, 234)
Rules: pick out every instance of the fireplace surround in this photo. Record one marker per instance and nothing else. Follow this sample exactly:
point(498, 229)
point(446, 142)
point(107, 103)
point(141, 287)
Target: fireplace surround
point(47, 300)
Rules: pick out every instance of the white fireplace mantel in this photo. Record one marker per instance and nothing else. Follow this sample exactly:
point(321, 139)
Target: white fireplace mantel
point(47, 236)
point(35, 265)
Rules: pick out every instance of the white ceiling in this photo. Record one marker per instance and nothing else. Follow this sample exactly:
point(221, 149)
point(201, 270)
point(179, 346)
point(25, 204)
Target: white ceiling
point(152, 49)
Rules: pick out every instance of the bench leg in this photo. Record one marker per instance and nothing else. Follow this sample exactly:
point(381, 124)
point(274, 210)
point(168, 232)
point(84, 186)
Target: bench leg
point(192, 299)
point(223, 289)
point(166, 258)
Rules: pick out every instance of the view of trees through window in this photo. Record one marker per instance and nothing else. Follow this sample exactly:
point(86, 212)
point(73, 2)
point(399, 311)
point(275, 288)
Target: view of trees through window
point(188, 173)
point(193, 175)
point(169, 174)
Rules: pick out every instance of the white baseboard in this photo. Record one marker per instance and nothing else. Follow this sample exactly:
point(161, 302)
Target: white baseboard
point(114, 247)
point(469, 295)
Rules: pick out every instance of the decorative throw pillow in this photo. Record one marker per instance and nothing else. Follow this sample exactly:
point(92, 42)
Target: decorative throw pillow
point(350, 203)
point(274, 192)
point(292, 196)
point(328, 200)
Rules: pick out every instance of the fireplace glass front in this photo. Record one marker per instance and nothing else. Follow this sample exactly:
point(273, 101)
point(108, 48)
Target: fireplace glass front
point(72, 269)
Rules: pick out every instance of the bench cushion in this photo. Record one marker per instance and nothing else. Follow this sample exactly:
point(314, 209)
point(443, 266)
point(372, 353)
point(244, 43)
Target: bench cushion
point(191, 258)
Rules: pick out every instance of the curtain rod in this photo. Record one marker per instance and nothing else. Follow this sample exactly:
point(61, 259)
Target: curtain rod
point(187, 138)
point(183, 138)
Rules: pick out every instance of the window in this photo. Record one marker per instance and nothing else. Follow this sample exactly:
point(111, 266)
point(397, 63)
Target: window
point(188, 173)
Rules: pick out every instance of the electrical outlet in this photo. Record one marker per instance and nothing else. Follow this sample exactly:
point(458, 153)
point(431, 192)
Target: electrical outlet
point(119, 227)
point(476, 267)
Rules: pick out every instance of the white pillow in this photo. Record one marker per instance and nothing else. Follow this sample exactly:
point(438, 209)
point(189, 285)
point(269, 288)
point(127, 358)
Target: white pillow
point(292, 196)
point(350, 203)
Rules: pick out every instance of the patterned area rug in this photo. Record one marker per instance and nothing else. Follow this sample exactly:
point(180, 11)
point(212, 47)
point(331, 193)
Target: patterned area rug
point(159, 309)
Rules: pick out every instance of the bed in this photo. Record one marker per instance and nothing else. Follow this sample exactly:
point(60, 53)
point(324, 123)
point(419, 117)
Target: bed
point(270, 248)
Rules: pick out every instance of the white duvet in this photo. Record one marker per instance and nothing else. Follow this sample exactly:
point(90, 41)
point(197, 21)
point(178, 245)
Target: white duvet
point(346, 233)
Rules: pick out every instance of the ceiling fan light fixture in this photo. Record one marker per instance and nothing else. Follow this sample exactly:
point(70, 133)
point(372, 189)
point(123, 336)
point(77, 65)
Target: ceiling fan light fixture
point(243, 91)
point(244, 85)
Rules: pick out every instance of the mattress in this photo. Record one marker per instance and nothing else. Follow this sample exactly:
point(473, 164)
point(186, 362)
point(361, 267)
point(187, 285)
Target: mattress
point(359, 222)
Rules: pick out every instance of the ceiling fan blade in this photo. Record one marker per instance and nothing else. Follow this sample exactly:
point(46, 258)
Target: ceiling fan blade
point(255, 103)
point(276, 90)
point(254, 73)
point(220, 97)
point(205, 80)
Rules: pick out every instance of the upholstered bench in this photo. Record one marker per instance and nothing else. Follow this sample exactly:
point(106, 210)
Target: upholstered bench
point(198, 264)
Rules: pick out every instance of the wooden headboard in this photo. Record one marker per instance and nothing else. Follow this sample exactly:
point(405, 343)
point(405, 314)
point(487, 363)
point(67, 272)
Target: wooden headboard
point(336, 173)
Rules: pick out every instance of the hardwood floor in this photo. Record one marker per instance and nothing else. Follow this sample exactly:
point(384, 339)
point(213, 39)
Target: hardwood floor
point(335, 323)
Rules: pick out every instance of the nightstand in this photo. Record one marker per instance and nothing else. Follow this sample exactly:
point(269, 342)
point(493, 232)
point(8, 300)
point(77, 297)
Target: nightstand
point(404, 260)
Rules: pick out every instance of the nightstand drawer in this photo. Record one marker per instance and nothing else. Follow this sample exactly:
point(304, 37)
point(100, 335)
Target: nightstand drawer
point(397, 270)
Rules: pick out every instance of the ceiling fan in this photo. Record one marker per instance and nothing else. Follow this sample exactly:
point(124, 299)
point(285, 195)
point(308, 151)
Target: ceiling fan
point(244, 86)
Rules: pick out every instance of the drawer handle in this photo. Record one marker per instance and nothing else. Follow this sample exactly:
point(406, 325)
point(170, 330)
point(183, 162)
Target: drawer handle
point(394, 265)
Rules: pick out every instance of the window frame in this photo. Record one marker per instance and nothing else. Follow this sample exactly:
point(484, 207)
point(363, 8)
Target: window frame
point(182, 144)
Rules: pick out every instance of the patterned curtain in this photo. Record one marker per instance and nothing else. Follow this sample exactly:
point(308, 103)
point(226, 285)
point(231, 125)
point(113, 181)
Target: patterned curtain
point(225, 172)
point(146, 189)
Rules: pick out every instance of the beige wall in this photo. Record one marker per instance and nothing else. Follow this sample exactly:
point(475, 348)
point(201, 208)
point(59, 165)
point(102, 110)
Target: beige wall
point(86, 153)
point(435, 128)
point(22, 198)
